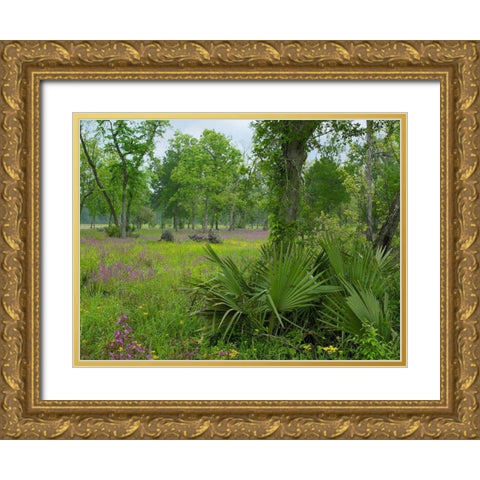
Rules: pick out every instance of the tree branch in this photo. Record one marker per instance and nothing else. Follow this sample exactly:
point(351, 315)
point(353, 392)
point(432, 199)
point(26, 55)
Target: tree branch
point(97, 179)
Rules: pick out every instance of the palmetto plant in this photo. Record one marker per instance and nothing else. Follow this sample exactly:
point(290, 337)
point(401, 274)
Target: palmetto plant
point(366, 275)
point(275, 293)
point(286, 285)
point(227, 297)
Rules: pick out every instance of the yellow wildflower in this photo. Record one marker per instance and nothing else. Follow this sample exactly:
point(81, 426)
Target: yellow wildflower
point(308, 346)
point(330, 349)
point(232, 353)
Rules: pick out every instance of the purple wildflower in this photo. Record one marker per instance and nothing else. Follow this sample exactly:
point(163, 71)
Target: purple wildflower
point(124, 345)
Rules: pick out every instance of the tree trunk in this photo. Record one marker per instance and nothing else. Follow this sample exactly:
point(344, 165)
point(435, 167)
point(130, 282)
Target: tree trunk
point(212, 221)
point(368, 180)
point(129, 205)
point(97, 180)
point(83, 200)
point(288, 208)
point(124, 216)
point(389, 227)
point(125, 182)
point(205, 217)
point(232, 219)
point(175, 220)
point(289, 178)
point(194, 212)
point(295, 156)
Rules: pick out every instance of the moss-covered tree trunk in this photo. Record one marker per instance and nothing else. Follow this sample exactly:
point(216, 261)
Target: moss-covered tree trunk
point(289, 179)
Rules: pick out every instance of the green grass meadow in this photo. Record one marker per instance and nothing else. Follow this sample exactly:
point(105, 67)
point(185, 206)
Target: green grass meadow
point(145, 279)
point(140, 300)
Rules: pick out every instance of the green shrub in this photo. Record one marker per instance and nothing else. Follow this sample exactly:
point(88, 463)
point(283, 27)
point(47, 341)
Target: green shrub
point(274, 294)
point(367, 276)
point(113, 230)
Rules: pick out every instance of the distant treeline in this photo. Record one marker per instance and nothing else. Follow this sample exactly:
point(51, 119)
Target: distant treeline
point(352, 181)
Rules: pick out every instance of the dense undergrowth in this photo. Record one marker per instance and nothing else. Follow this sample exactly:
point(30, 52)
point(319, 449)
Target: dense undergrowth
point(142, 298)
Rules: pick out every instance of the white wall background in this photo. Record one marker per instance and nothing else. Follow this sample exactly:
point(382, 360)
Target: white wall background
point(249, 19)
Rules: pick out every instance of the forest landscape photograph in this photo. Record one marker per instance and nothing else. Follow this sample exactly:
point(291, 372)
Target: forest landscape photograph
point(240, 239)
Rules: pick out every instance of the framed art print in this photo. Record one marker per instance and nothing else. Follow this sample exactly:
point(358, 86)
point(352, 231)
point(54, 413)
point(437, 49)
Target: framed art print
point(239, 239)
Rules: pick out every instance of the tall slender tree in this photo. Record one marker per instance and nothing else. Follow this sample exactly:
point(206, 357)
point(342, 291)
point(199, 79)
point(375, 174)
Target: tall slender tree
point(132, 143)
point(93, 155)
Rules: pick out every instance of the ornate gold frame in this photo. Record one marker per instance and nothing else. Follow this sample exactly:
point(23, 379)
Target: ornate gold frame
point(23, 65)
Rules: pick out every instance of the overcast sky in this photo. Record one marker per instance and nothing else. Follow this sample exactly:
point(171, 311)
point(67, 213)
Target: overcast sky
point(238, 130)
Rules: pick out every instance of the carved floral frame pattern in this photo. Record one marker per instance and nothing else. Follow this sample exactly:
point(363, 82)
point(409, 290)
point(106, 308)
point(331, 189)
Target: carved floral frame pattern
point(24, 64)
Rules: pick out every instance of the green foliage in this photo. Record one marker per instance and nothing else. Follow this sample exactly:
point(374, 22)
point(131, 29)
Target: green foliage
point(273, 294)
point(282, 230)
point(145, 280)
point(227, 297)
point(281, 148)
point(169, 193)
point(371, 346)
point(300, 297)
point(115, 230)
point(384, 171)
point(204, 170)
point(285, 283)
point(366, 276)
point(324, 186)
point(144, 215)
point(115, 154)
point(153, 298)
